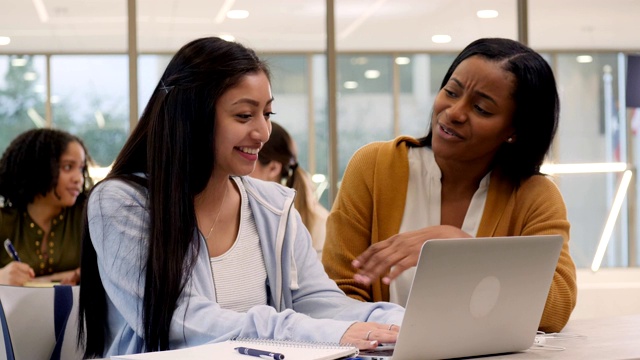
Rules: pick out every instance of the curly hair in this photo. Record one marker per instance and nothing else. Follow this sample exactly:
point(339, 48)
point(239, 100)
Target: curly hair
point(31, 164)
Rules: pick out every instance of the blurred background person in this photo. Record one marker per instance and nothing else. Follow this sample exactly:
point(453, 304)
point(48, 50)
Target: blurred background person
point(278, 161)
point(43, 181)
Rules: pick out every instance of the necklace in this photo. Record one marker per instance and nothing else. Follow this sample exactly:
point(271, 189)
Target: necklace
point(226, 189)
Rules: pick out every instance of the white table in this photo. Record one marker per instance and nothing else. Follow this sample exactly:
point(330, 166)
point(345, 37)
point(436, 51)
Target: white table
point(608, 338)
point(611, 338)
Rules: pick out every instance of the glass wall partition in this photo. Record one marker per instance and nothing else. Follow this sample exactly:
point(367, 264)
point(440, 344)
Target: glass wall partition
point(22, 95)
point(590, 131)
point(67, 66)
point(420, 76)
point(365, 102)
point(89, 98)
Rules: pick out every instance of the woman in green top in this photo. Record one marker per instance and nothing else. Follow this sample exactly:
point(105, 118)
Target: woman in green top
point(42, 190)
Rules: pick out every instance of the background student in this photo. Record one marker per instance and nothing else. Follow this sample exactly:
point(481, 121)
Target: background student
point(183, 248)
point(43, 180)
point(476, 173)
point(278, 161)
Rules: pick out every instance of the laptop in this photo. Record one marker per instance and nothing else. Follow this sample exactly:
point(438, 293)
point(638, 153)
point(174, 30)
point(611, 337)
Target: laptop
point(475, 296)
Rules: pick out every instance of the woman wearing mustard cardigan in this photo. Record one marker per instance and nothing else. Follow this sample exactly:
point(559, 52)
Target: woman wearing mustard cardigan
point(476, 174)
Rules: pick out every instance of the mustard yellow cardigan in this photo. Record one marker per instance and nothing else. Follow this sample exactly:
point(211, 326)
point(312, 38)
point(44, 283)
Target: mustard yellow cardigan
point(369, 208)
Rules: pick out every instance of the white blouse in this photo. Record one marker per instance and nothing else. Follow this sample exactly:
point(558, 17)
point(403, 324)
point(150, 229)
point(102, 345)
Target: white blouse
point(422, 209)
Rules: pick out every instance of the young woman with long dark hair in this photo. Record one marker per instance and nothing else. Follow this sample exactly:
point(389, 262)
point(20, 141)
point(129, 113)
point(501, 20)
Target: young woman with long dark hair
point(182, 248)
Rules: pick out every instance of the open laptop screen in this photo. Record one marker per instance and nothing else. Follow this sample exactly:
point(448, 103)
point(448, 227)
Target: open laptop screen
point(476, 296)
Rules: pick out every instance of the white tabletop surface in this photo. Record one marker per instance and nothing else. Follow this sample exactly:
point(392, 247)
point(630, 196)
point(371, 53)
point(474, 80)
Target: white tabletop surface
point(608, 338)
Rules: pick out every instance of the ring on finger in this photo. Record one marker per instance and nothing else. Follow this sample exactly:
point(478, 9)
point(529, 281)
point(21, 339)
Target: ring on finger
point(368, 334)
point(391, 326)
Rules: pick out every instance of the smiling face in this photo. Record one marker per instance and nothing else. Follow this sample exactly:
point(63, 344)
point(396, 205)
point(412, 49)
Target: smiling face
point(242, 125)
point(473, 113)
point(70, 177)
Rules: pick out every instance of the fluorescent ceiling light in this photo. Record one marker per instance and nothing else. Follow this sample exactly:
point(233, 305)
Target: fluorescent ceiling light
point(222, 13)
point(441, 39)
point(237, 14)
point(318, 178)
point(587, 168)
point(584, 59)
point(227, 37)
point(30, 76)
point(350, 84)
point(35, 117)
point(487, 14)
point(18, 62)
point(99, 119)
point(402, 60)
point(360, 60)
point(361, 19)
point(43, 15)
point(611, 220)
point(5, 40)
point(321, 184)
point(372, 74)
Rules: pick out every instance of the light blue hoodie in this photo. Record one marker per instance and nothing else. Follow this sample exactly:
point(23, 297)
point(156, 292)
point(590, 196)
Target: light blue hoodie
point(304, 304)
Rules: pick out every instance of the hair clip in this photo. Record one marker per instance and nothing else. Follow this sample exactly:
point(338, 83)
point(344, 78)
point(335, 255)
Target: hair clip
point(165, 88)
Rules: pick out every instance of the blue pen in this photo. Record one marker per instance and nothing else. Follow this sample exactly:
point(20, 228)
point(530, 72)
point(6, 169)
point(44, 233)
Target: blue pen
point(259, 353)
point(11, 250)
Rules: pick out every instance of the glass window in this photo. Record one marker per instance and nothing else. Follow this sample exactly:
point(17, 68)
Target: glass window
point(365, 103)
point(320, 100)
point(291, 77)
point(22, 95)
point(289, 84)
point(589, 132)
point(90, 98)
point(420, 79)
point(150, 70)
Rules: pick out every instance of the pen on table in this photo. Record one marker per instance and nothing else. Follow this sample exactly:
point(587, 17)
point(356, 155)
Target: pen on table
point(11, 250)
point(259, 353)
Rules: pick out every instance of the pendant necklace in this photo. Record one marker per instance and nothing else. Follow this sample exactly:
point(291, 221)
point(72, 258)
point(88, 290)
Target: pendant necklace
point(226, 189)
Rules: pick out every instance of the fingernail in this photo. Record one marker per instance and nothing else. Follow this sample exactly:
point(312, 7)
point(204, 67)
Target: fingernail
point(386, 280)
point(355, 263)
point(361, 279)
point(374, 343)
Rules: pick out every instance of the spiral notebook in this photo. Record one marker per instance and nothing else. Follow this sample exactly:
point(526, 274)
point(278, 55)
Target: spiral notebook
point(226, 350)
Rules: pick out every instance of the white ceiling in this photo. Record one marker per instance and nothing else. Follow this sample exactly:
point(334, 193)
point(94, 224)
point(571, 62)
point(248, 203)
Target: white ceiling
point(82, 26)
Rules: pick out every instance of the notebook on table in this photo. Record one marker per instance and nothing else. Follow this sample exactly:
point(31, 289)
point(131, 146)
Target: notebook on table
point(475, 296)
point(290, 350)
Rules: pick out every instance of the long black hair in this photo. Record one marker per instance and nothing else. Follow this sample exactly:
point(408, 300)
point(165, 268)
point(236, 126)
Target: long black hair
point(535, 119)
point(30, 166)
point(176, 128)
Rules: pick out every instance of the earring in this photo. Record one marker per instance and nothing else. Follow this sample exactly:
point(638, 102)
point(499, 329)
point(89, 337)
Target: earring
point(510, 140)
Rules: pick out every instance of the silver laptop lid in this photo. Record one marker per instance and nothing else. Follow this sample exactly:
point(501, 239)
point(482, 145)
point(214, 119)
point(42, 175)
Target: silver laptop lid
point(477, 296)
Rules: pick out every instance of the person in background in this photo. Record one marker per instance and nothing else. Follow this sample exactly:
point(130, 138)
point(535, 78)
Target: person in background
point(182, 248)
point(278, 161)
point(476, 174)
point(43, 182)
